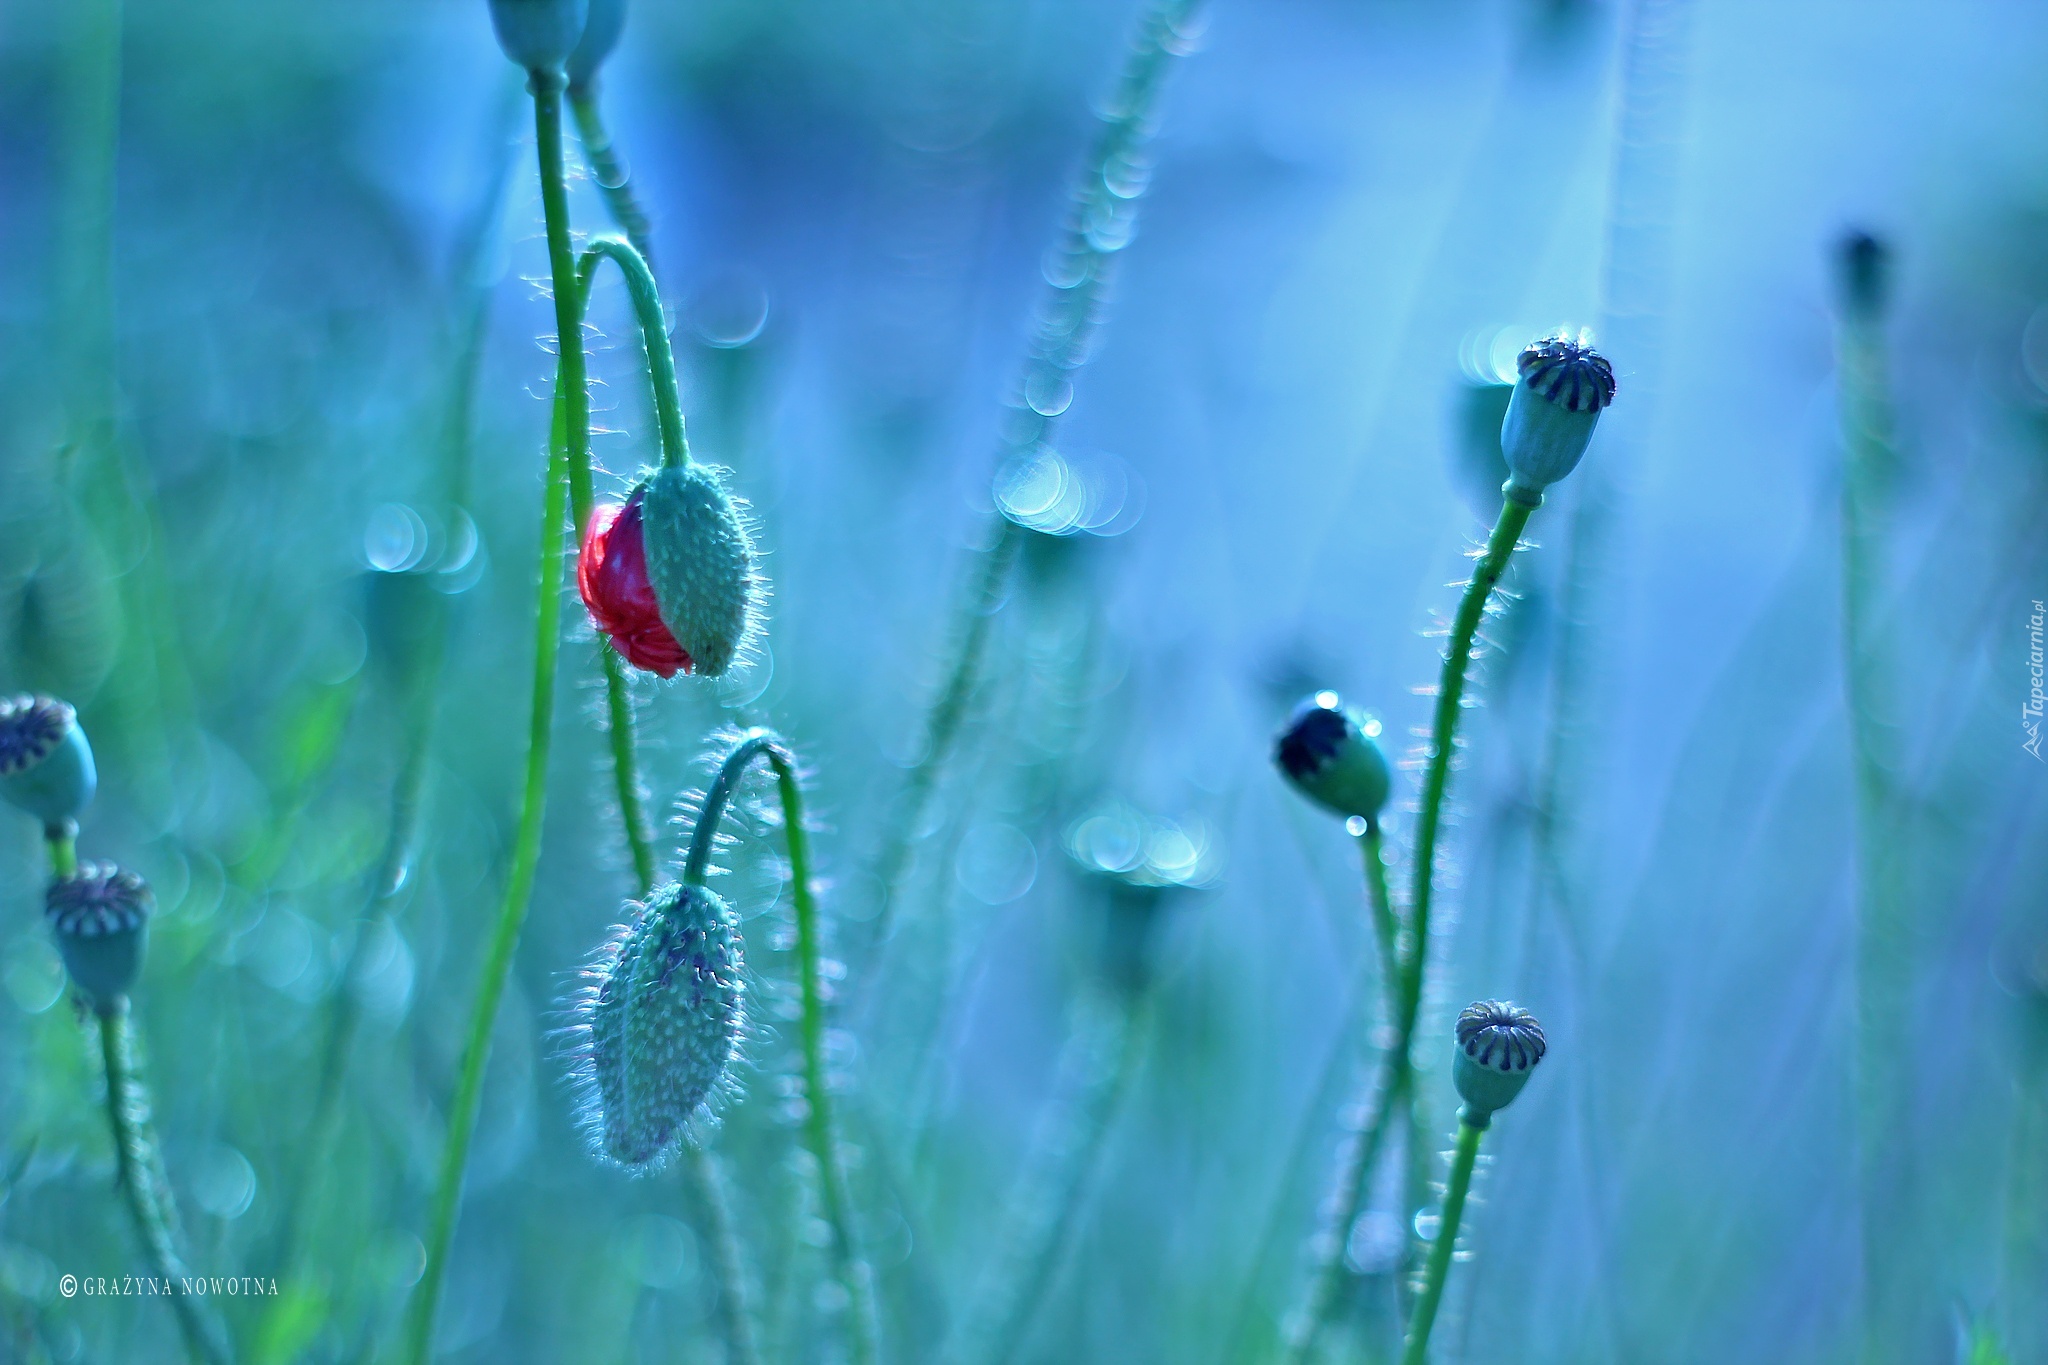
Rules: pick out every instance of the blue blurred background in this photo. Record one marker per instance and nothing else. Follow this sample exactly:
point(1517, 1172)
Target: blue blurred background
point(233, 273)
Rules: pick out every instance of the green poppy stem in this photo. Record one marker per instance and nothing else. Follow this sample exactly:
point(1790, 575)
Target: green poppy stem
point(609, 171)
point(138, 1165)
point(1446, 1243)
point(864, 1335)
point(1395, 1085)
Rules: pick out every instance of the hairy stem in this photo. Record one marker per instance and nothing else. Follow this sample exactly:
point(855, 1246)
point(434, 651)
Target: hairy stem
point(1395, 1085)
point(821, 1134)
point(138, 1165)
point(653, 321)
point(1440, 1251)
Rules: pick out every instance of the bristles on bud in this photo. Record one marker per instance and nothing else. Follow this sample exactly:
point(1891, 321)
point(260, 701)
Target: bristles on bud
point(657, 1029)
point(701, 561)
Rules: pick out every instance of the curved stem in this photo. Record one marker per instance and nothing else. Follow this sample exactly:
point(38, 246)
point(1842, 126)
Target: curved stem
point(1446, 1243)
point(138, 1167)
point(610, 171)
point(864, 1337)
point(512, 909)
point(653, 320)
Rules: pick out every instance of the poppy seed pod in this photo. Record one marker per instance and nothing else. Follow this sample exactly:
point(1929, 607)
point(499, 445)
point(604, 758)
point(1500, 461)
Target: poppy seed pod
point(1499, 1044)
point(1562, 390)
point(700, 560)
point(539, 34)
point(600, 35)
point(660, 1026)
point(1328, 756)
point(99, 915)
point(46, 765)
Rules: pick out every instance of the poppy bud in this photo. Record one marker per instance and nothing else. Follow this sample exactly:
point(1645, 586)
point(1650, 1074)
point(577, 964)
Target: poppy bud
point(661, 1024)
point(538, 34)
point(611, 573)
point(1557, 402)
point(100, 917)
point(46, 765)
point(1499, 1044)
point(1328, 756)
point(600, 35)
point(700, 560)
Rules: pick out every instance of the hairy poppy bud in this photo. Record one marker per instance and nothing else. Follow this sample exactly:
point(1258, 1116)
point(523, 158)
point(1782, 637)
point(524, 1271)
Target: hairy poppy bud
point(600, 35)
point(1327, 754)
point(1562, 389)
point(46, 765)
point(1499, 1044)
point(700, 560)
point(538, 34)
point(660, 1026)
point(611, 573)
point(100, 917)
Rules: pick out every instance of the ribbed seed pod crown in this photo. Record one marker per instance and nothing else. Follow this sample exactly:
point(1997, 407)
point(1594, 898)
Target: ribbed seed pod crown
point(46, 765)
point(661, 1024)
point(99, 916)
point(1563, 387)
point(700, 560)
point(1499, 1044)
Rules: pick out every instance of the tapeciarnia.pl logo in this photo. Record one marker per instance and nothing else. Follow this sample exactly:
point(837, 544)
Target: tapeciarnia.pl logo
point(2030, 714)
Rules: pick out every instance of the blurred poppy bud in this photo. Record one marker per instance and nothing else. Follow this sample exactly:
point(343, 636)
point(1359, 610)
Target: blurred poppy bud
point(1498, 1046)
point(659, 1027)
point(46, 765)
point(1329, 758)
point(600, 35)
point(539, 34)
point(100, 917)
point(611, 573)
point(700, 560)
point(1562, 389)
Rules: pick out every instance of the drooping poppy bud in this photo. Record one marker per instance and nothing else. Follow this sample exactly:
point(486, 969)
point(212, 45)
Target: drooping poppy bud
point(46, 765)
point(1563, 387)
point(600, 35)
point(700, 560)
point(659, 1028)
point(611, 573)
point(99, 915)
point(1329, 757)
point(539, 35)
point(1499, 1044)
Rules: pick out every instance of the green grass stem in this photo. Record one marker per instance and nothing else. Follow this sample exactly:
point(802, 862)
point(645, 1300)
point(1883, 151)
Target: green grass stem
point(1446, 1243)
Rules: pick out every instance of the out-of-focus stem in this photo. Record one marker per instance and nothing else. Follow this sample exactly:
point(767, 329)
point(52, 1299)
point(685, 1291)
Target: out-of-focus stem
point(1883, 952)
point(864, 1331)
point(614, 181)
point(1101, 220)
point(1440, 1251)
point(1053, 1198)
point(138, 1165)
